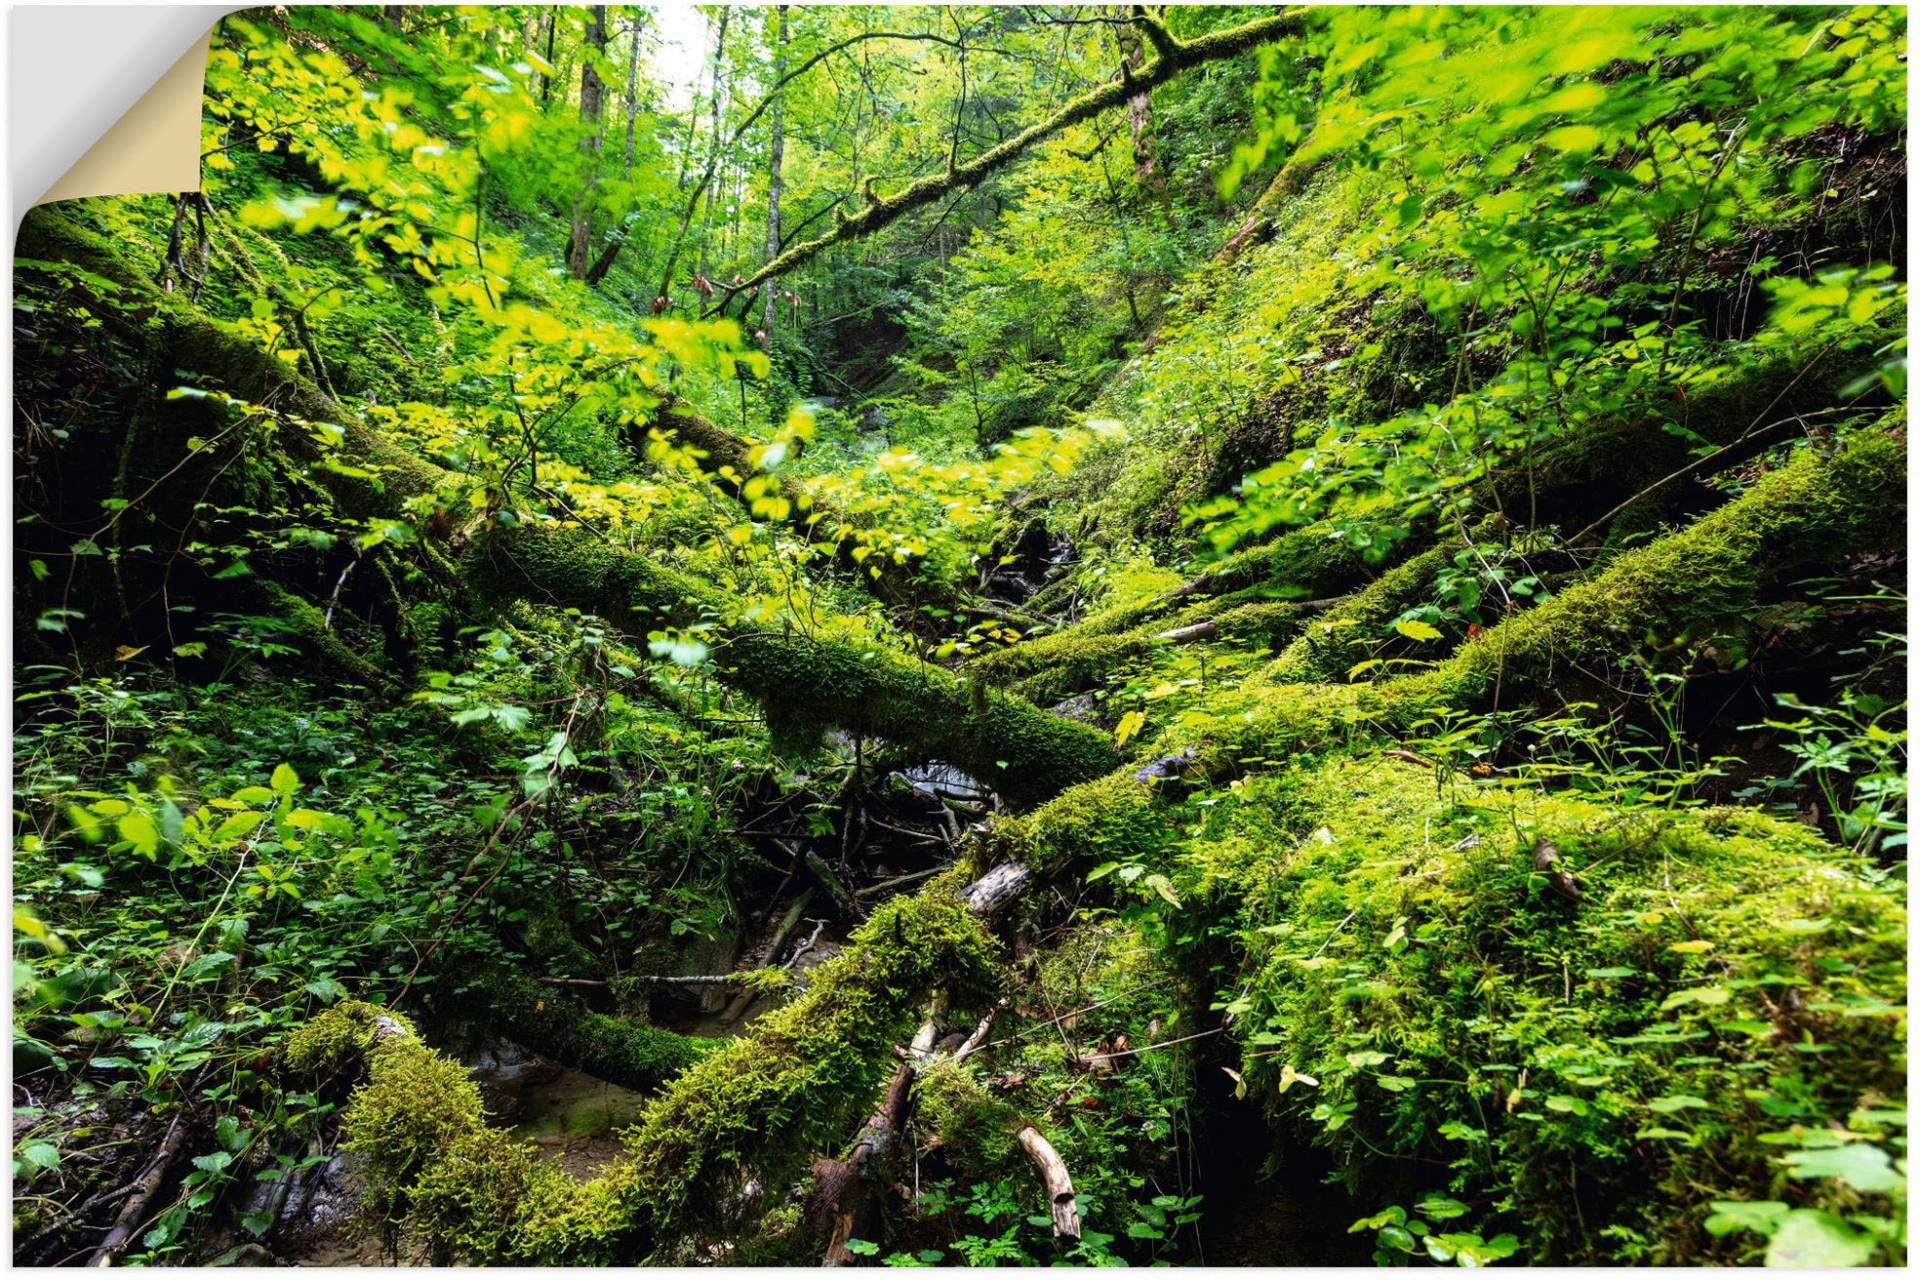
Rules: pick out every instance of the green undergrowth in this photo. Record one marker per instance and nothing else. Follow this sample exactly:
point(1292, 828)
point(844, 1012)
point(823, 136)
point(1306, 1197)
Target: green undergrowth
point(1705, 1049)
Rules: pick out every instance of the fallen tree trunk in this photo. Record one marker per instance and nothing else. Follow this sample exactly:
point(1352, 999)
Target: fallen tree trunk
point(621, 1051)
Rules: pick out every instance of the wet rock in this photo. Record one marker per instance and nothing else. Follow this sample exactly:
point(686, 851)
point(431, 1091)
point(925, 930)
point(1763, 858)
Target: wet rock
point(1083, 707)
point(504, 1071)
point(942, 781)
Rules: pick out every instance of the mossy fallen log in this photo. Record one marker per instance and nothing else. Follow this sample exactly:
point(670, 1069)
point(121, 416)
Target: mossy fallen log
point(621, 1051)
point(1329, 646)
point(1047, 669)
point(749, 1115)
point(1704, 581)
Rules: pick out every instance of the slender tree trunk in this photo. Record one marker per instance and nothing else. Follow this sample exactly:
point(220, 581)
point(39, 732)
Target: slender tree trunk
point(546, 77)
point(776, 154)
point(592, 95)
point(719, 57)
point(1146, 148)
point(633, 96)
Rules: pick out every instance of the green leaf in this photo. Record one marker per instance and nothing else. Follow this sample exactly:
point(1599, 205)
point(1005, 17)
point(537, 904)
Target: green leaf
point(1815, 1238)
point(325, 990)
point(1414, 629)
point(38, 1155)
point(1441, 1209)
point(1860, 1165)
point(1573, 137)
point(1730, 1216)
point(862, 1248)
point(284, 781)
point(138, 829)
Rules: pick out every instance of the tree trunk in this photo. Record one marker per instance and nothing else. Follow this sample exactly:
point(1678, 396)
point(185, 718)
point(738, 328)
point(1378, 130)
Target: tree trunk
point(775, 154)
point(633, 95)
point(706, 230)
point(592, 93)
point(1146, 148)
point(547, 77)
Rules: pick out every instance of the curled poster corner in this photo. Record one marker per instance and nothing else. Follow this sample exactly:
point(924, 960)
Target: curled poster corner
point(139, 129)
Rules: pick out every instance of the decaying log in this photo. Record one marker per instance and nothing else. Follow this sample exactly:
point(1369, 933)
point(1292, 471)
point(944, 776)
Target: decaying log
point(145, 1188)
point(843, 1197)
point(988, 895)
point(1546, 862)
point(1053, 1172)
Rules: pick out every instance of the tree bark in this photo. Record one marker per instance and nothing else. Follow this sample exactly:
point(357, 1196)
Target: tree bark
point(592, 94)
point(776, 154)
point(1146, 150)
point(633, 96)
point(547, 76)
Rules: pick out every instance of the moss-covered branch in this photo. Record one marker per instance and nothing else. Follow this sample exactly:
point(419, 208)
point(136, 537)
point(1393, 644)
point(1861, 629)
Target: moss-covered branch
point(1172, 57)
point(619, 1050)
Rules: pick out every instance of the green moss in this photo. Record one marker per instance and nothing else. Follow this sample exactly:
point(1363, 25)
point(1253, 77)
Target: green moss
point(758, 1107)
point(1111, 819)
point(338, 1038)
point(795, 1086)
point(1586, 1076)
point(414, 1104)
point(1349, 633)
point(976, 1128)
point(1025, 753)
point(622, 1051)
point(470, 1202)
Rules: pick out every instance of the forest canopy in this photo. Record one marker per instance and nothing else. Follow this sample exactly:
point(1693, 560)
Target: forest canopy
point(973, 635)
